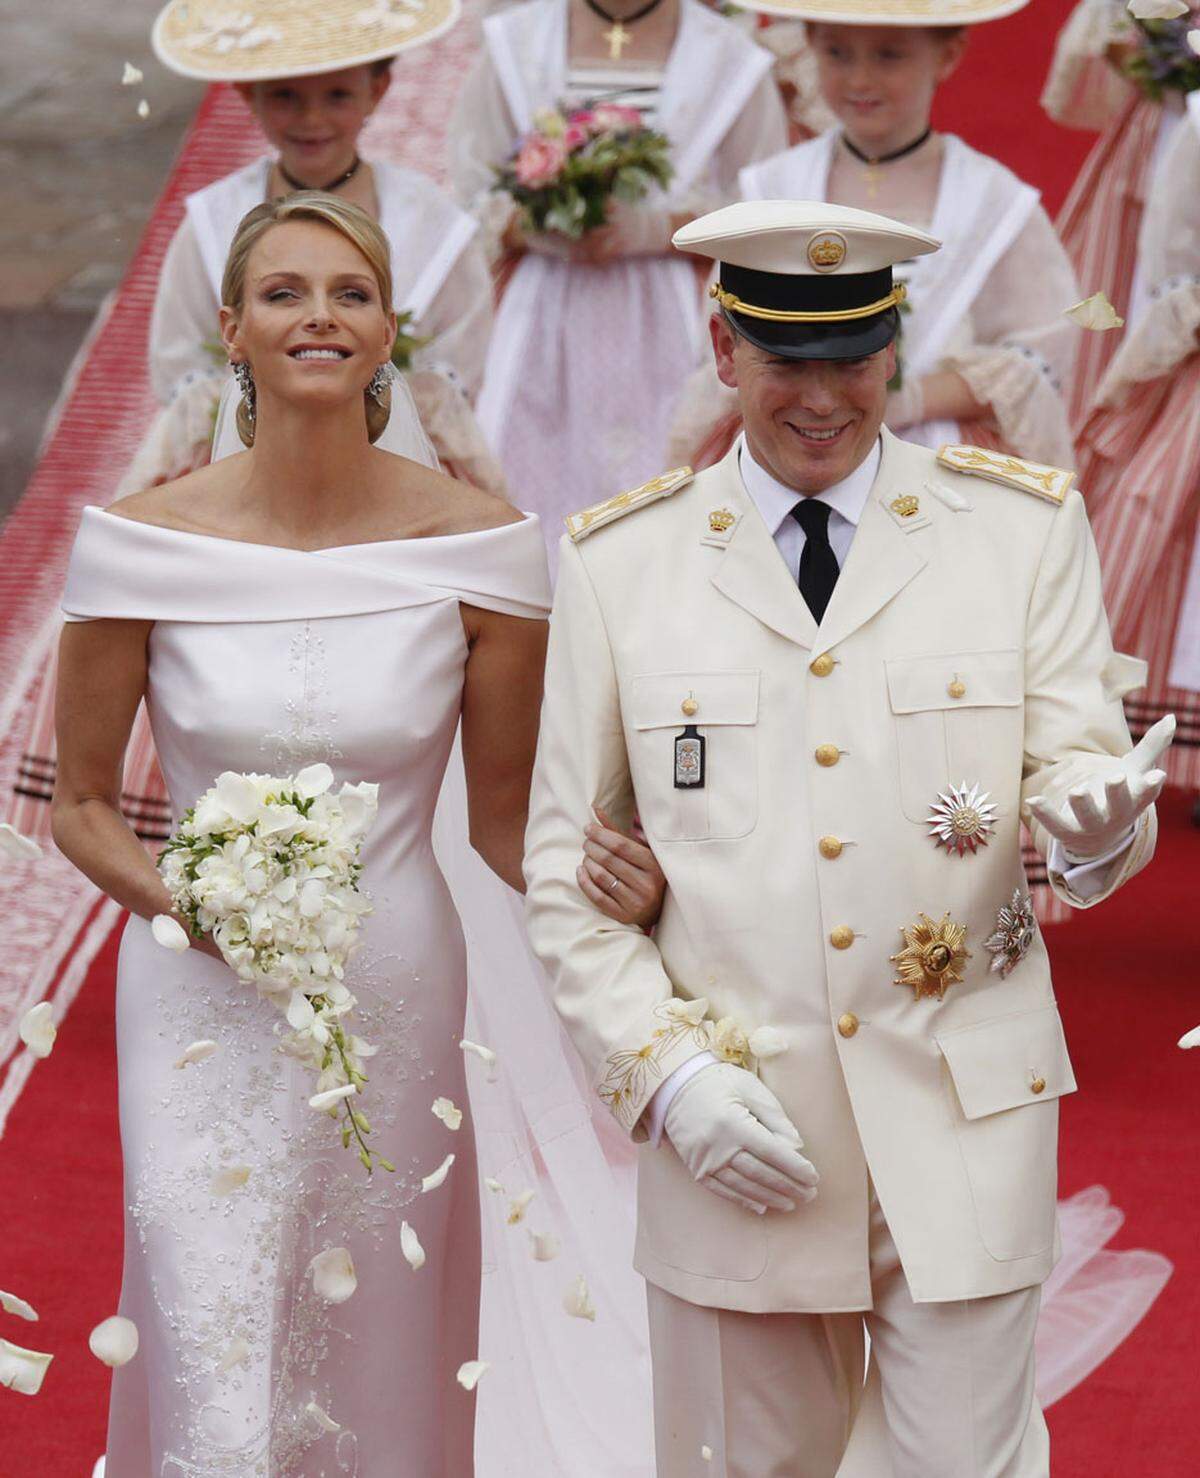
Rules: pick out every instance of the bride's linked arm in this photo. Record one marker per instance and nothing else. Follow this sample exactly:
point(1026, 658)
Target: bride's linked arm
point(101, 680)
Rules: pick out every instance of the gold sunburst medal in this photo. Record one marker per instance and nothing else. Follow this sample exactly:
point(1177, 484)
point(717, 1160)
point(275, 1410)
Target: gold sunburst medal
point(933, 956)
point(963, 819)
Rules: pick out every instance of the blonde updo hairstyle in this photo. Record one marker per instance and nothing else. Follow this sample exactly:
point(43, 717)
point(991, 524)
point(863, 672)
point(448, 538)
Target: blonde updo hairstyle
point(339, 215)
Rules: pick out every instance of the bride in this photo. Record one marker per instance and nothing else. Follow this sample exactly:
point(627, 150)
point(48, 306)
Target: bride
point(315, 598)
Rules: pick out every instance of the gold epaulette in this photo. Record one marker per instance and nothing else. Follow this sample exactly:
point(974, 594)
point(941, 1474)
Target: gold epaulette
point(580, 525)
point(1051, 483)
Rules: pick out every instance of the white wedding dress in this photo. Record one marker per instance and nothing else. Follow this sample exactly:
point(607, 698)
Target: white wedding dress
point(268, 659)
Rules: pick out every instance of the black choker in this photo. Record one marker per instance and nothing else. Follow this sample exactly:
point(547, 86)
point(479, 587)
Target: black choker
point(347, 175)
point(883, 158)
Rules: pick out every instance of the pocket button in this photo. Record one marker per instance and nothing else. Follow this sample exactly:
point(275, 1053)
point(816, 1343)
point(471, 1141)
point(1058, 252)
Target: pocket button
point(827, 755)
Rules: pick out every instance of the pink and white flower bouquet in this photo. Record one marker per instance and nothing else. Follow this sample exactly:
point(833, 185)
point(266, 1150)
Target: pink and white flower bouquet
point(573, 161)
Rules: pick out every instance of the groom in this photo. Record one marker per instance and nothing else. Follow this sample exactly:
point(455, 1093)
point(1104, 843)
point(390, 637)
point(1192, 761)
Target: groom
point(832, 673)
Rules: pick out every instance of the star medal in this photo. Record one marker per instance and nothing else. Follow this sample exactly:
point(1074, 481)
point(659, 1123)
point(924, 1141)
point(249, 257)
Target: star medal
point(689, 759)
point(963, 819)
point(1014, 936)
point(933, 956)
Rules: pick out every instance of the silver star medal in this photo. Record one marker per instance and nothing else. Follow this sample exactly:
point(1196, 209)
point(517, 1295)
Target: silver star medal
point(1016, 930)
point(963, 819)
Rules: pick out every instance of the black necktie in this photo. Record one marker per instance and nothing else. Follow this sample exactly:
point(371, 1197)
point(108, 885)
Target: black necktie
point(818, 563)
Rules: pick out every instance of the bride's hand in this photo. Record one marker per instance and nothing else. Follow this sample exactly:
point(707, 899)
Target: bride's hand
point(620, 874)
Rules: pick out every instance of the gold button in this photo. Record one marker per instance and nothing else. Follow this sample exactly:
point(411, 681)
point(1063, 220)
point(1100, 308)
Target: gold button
point(690, 706)
point(1038, 1085)
point(828, 754)
point(848, 1024)
point(842, 937)
point(821, 666)
point(957, 689)
point(829, 847)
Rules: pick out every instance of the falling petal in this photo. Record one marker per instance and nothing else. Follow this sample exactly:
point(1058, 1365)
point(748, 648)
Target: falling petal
point(494, 1186)
point(333, 1275)
point(1096, 313)
point(444, 1109)
point(518, 1206)
point(38, 1030)
point(1157, 10)
point(469, 1373)
point(114, 1341)
point(767, 1042)
point(22, 1370)
point(546, 1247)
point(331, 1096)
point(196, 1052)
point(706, 1453)
point(131, 76)
point(1191, 1039)
point(410, 1245)
point(236, 1354)
point(432, 1181)
point(13, 844)
point(170, 933)
point(485, 1054)
point(578, 1301)
point(1193, 40)
point(11, 1304)
point(322, 1418)
point(143, 109)
point(231, 1179)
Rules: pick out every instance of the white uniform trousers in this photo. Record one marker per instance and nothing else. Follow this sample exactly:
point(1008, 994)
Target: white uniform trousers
point(950, 1393)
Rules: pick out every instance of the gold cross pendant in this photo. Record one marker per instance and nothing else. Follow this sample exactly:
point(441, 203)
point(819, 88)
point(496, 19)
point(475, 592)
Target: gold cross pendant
point(618, 38)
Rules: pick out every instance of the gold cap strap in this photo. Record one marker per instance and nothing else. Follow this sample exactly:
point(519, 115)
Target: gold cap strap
point(733, 304)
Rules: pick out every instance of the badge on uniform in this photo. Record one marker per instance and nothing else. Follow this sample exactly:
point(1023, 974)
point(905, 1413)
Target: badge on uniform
point(689, 759)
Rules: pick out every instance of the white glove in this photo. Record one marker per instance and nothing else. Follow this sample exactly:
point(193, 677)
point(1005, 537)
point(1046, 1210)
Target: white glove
point(1098, 814)
point(734, 1137)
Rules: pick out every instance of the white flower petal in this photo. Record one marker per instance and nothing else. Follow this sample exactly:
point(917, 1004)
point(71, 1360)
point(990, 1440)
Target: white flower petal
point(1095, 313)
point(1191, 1039)
point(196, 1052)
point(13, 844)
point(436, 1177)
point(231, 1179)
point(333, 1275)
point(300, 1013)
point(546, 1247)
point(485, 1054)
point(11, 1304)
point(38, 1030)
point(314, 780)
point(706, 1453)
point(410, 1245)
point(450, 1115)
point(1193, 40)
point(469, 1373)
point(131, 76)
point(114, 1341)
point(322, 1418)
point(326, 1100)
point(494, 1186)
point(237, 1354)
point(1156, 10)
point(578, 1301)
point(692, 1012)
point(22, 1370)
point(518, 1206)
point(170, 933)
point(767, 1042)
point(143, 109)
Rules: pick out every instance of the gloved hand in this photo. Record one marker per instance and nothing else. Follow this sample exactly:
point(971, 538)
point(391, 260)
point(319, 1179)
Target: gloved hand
point(734, 1137)
point(1098, 813)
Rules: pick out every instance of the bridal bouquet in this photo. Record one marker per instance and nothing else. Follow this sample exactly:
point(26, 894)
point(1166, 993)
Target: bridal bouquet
point(565, 170)
point(1164, 58)
point(268, 867)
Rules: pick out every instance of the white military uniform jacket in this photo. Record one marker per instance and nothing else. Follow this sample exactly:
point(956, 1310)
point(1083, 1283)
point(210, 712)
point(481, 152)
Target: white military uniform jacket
point(965, 641)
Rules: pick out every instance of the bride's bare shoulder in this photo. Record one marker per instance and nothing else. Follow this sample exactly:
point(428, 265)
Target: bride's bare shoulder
point(447, 505)
point(182, 504)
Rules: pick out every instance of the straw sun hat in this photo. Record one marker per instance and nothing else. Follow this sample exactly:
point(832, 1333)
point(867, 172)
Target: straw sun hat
point(889, 12)
point(256, 40)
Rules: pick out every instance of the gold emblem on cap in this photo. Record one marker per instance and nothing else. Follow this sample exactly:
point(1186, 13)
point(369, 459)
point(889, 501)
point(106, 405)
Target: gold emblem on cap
point(906, 506)
point(721, 520)
point(827, 251)
point(933, 956)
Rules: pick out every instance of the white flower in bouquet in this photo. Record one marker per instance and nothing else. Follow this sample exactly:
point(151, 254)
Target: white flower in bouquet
point(268, 866)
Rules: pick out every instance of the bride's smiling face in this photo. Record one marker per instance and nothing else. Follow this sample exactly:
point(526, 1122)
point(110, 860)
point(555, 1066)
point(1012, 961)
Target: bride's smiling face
point(312, 323)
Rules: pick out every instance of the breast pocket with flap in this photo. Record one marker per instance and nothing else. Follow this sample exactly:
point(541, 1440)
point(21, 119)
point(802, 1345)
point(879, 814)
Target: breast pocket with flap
point(956, 714)
point(723, 706)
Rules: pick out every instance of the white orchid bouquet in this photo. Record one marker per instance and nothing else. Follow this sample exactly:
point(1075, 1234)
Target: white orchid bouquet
point(268, 868)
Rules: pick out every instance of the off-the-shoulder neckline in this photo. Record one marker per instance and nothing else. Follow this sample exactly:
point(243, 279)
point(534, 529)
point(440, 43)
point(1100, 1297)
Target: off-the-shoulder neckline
point(158, 528)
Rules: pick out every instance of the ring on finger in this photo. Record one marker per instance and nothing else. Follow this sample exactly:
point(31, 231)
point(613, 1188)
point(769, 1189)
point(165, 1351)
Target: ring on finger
point(612, 887)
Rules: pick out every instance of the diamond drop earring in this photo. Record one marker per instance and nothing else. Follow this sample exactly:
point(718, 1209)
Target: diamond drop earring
point(245, 378)
point(380, 382)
